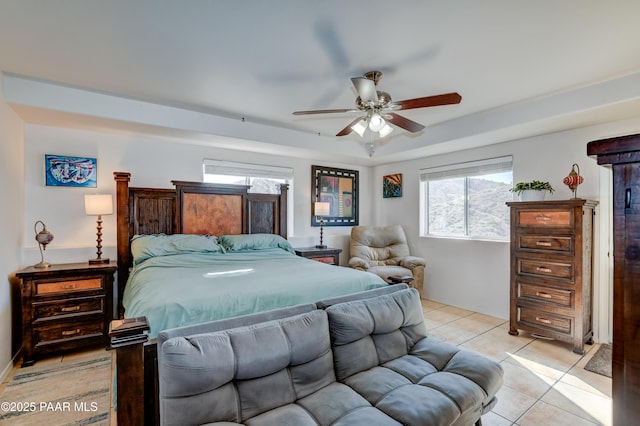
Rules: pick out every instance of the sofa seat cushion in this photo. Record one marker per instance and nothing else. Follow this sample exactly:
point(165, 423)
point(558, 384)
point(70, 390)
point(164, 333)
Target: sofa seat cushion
point(381, 351)
point(237, 374)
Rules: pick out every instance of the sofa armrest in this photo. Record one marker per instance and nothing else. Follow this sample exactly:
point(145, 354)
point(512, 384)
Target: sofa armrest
point(412, 262)
point(358, 263)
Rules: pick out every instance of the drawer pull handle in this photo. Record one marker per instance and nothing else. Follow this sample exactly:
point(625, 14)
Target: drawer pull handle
point(543, 320)
point(69, 286)
point(71, 332)
point(543, 269)
point(71, 308)
point(543, 294)
point(543, 243)
point(543, 218)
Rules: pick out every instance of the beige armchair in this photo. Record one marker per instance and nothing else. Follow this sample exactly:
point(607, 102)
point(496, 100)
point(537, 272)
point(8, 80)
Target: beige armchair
point(384, 251)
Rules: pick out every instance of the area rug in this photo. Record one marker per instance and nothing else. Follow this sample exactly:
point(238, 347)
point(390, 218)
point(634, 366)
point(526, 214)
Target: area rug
point(600, 362)
point(70, 391)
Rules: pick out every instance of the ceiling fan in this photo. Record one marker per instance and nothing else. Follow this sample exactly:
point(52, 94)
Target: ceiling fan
point(378, 108)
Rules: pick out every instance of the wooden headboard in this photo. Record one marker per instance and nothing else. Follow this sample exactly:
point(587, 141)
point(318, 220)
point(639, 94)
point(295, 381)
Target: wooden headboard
point(192, 208)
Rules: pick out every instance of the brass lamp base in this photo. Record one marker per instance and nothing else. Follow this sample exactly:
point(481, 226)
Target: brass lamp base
point(99, 261)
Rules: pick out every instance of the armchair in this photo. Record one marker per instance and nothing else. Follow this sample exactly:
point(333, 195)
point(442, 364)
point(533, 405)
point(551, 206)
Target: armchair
point(383, 250)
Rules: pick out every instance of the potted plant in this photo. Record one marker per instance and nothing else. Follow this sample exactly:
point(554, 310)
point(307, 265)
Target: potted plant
point(532, 191)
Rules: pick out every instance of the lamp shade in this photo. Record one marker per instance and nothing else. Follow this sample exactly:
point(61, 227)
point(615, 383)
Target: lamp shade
point(321, 208)
point(98, 204)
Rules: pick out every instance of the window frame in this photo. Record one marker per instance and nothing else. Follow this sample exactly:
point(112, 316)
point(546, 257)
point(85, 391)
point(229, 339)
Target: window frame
point(467, 171)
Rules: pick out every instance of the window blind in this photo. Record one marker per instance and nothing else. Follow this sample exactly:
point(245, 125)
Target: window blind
point(471, 168)
point(228, 168)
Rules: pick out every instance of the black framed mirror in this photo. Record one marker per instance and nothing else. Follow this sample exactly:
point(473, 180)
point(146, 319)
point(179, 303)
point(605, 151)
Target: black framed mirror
point(338, 188)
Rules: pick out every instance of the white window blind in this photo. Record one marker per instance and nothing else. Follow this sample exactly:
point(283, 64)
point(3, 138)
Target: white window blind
point(228, 168)
point(471, 168)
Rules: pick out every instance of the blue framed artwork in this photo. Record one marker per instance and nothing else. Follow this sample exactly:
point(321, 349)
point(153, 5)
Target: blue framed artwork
point(62, 170)
point(392, 186)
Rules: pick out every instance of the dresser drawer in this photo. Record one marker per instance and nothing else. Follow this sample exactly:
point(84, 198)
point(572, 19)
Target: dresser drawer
point(44, 311)
point(545, 269)
point(328, 259)
point(68, 286)
point(545, 320)
point(555, 296)
point(545, 243)
point(545, 218)
point(62, 332)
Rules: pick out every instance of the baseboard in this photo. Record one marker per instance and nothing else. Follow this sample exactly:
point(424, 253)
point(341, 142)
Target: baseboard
point(6, 370)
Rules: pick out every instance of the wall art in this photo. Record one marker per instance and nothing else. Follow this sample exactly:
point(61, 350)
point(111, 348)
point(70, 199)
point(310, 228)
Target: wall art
point(63, 170)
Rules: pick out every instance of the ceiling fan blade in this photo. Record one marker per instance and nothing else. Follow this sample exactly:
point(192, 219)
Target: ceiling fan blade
point(348, 129)
point(429, 101)
point(366, 89)
point(323, 111)
point(403, 122)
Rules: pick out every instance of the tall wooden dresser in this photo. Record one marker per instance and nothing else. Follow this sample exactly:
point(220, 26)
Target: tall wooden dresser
point(551, 262)
point(623, 155)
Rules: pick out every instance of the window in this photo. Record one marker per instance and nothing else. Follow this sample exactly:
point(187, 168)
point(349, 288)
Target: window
point(263, 179)
point(467, 200)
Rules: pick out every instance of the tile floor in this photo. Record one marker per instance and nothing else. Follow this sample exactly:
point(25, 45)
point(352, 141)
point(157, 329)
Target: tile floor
point(544, 381)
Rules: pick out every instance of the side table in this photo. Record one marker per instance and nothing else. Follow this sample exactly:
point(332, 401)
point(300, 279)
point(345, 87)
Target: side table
point(325, 255)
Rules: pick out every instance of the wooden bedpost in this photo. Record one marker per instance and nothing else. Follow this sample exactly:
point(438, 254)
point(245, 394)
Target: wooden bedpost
point(128, 337)
point(282, 205)
point(122, 232)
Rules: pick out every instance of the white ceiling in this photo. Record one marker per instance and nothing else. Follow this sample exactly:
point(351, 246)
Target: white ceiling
point(522, 67)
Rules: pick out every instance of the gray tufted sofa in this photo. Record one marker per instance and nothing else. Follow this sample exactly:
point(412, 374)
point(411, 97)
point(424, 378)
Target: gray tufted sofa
point(356, 362)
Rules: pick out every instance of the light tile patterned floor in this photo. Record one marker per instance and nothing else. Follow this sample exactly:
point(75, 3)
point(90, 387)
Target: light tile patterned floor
point(544, 381)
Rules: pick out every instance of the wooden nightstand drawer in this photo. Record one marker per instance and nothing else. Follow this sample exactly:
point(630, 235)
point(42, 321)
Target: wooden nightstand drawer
point(545, 268)
point(328, 259)
point(68, 286)
point(553, 295)
point(45, 311)
point(64, 332)
point(545, 320)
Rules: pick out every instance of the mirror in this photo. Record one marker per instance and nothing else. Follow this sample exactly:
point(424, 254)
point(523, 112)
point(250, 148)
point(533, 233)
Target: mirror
point(339, 188)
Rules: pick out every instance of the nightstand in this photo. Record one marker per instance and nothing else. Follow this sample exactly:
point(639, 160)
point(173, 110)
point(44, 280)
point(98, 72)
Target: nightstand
point(325, 255)
point(65, 306)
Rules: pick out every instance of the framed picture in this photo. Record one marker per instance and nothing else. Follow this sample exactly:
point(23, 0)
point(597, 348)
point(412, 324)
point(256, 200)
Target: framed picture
point(62, 170)
point(392, 186)
point(339, 188)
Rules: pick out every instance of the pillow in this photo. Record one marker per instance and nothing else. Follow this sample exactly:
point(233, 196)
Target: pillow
point(144, 247)
point(243, 242)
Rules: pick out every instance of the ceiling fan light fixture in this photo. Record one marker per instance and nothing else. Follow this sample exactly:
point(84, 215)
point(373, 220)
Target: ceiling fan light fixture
point(376, 123)
point(386, 129)
point(360, 127)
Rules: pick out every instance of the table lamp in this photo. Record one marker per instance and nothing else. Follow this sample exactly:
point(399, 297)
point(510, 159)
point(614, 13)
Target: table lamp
point(97, 205)
point(43, 238)
point(321, 209)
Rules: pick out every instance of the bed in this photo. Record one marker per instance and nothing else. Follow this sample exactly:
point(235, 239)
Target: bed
point(197, 253)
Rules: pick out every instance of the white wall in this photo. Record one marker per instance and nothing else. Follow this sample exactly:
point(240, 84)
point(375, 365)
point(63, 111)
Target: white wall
point(11, 221)
point(152, 162)
point(475, 274)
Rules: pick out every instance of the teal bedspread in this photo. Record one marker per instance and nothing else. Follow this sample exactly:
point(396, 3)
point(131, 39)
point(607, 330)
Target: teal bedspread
point(188, 288)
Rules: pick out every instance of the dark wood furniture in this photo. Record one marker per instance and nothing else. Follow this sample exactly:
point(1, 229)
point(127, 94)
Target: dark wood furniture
point(325, 255)
point(551, 263)
point(65, 306)
point(192, 207)
point(400, 279)
point(622, 154)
